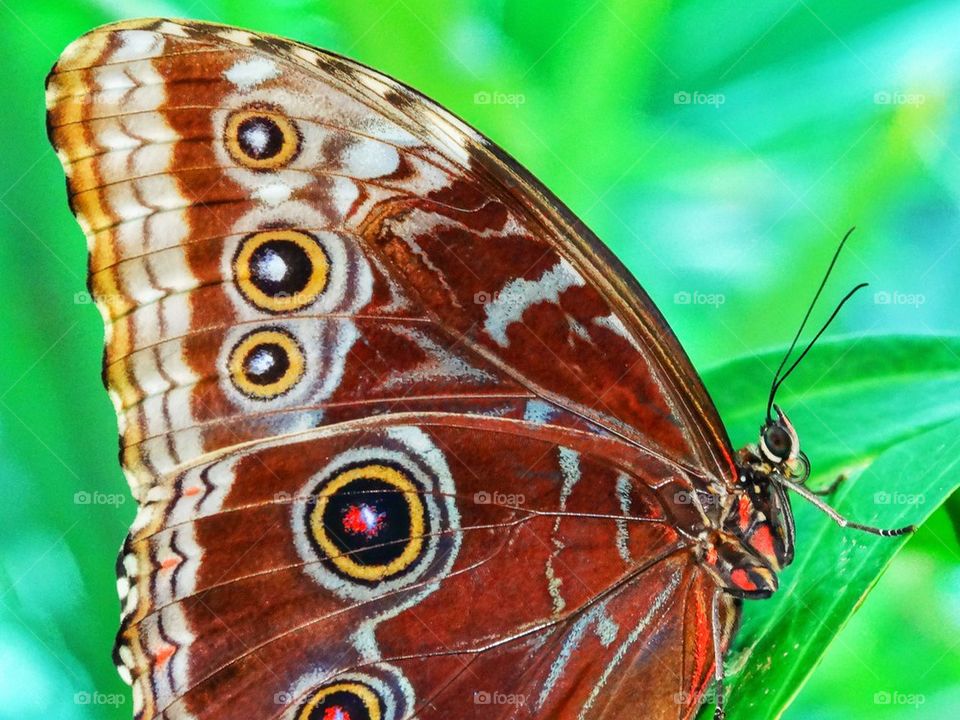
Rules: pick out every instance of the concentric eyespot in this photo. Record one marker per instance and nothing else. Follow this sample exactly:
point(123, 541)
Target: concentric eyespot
point(260, 138)
point(379, 518)
point(377, 692)
point(342, 701)
point(281, 270)
point(368, 520)
point(266, 363)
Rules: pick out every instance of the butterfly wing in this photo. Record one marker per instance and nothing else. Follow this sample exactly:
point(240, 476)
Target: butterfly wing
point(259, 591)
point(283, 241)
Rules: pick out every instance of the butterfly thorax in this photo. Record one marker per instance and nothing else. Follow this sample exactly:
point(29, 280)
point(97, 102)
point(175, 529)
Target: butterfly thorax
point(753, 541)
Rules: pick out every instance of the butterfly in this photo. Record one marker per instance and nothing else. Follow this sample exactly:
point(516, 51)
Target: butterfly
point(406, 439)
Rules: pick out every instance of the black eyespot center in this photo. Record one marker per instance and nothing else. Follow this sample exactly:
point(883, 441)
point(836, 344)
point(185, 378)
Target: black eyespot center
point(259, 137)
point(372, 521)
point(280, 267)
point(266, 363)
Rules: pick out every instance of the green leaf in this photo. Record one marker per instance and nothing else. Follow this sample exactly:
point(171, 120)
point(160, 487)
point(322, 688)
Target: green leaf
point(884, 409)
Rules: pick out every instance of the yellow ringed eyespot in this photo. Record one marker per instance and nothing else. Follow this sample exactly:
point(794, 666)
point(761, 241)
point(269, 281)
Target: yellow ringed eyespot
point(260, 138)
point(266, 363)
point(281, 270)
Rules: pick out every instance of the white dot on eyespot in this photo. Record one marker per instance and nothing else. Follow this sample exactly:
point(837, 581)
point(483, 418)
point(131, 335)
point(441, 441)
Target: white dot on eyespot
point(271, 267)
point(256, 138)
point(370, 517)
point(260, 363)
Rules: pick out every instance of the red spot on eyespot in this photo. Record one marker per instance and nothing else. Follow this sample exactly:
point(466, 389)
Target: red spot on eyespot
point(742, 580)
point(170, 562)
point(762, 540)
point(745, 512)
point(164, 654)
point(363, 519)
point(192, 490)
point(336, 713)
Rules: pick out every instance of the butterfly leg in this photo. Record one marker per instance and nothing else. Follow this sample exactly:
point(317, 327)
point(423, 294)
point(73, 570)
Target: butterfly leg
point(719, 713)
point(839, 519)
point(832, 487)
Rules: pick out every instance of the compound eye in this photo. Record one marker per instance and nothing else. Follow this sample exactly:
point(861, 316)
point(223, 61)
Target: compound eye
point(776, 443)
point(779, 442)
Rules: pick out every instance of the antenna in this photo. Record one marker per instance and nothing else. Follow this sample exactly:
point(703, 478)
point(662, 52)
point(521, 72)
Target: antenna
point(777, 378)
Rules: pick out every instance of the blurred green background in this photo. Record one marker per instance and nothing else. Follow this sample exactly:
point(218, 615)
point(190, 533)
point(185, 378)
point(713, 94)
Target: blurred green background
point(720, 151)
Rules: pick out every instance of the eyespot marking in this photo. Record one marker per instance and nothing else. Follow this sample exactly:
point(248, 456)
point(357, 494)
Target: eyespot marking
point(342, 701)
point(260, 138)
point(281, 270)
point(266, 363)
point(369, 521)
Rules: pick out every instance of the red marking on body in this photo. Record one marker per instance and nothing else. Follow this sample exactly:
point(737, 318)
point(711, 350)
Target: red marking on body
point(171, 562)
point(164, 654)
point(711, 555)
point(336, 713)
point(745, 512)
point(762, 540)
point(742, 580)
point(363, 519)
